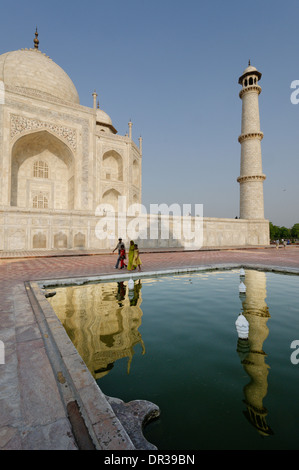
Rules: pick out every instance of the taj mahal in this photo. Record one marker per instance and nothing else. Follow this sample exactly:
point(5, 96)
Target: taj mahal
point(60, 160)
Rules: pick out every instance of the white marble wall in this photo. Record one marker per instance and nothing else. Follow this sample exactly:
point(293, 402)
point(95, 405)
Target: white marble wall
point(27, 230)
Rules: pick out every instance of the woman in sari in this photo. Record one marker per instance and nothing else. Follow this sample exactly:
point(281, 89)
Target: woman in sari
point(130, 256)
point(136, 259)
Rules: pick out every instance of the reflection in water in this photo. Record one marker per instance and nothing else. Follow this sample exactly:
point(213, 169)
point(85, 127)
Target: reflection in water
point(102, 321)
point(251, 351)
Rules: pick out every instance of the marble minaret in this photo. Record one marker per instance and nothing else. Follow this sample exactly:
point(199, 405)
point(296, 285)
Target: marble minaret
point(251, 177)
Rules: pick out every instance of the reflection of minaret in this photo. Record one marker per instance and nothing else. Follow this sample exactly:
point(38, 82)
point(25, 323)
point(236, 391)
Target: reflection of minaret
point(257, 314)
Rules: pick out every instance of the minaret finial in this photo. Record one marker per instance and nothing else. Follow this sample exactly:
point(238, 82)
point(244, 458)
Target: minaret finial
point(248, 62)
point(36, 41)
point(130, 129)
point(94, 99)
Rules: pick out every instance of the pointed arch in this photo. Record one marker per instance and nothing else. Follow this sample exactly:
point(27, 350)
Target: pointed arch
point(41, 162)
point(111, 197)
point(112, 166)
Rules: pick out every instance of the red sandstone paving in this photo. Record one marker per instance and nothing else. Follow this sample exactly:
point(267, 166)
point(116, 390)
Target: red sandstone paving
point(14, 270)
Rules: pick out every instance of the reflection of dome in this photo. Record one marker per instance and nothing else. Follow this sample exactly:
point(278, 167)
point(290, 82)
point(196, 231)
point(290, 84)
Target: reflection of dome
point(33, 70)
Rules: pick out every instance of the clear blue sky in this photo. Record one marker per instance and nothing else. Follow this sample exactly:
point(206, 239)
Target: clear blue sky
point(172, 67)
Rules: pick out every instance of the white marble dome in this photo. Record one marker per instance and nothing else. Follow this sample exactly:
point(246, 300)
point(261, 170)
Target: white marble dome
point(32, 70)
point(103, 117)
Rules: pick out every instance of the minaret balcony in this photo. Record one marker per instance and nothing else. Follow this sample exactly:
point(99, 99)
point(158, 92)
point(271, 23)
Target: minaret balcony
point(250, 89)
point(247, 178)
point(251, 135)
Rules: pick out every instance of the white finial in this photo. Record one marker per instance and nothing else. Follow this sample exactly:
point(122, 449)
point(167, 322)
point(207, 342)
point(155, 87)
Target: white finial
point(242, 287)
point(94, 99)
point(130, 129)
point(140, 145)
point(242, 327)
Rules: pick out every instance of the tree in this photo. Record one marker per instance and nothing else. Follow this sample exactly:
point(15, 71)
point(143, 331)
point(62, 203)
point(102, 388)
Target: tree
point(285, 232)
point(278, 233)
point(295, 231)
point(274, 231)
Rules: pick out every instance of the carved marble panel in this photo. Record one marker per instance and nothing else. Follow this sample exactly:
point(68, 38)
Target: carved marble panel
point(20, 124)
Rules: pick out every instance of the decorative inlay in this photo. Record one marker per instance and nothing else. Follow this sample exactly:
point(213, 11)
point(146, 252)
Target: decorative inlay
point(245, 179)
point(251, 135)
point(20, 124)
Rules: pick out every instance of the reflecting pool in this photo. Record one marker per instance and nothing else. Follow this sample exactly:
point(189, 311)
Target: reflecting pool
point(172, 340)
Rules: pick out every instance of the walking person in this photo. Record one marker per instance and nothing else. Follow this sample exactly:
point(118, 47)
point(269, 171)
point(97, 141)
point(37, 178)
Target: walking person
point(118, 248)
point(122, 256)
point(136, 259)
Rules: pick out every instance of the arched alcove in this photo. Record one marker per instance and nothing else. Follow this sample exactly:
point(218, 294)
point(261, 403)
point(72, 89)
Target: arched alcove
point(111, 197)
point(112, 166)
point(39, 240)
point(79, 240)
point(60, 240)
point(42, 166)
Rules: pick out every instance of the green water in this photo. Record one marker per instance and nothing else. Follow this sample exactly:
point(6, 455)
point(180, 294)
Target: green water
point(175, 343)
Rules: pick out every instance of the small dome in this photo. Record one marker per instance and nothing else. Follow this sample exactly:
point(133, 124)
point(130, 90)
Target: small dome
point(31, 69)
point(250, 69)
point(103, 117)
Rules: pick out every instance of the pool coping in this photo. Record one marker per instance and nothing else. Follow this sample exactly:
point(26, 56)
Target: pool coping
point(98, 421)
point(80, 280)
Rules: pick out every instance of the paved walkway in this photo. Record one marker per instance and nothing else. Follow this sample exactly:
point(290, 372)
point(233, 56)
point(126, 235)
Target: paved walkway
point(33, 414)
